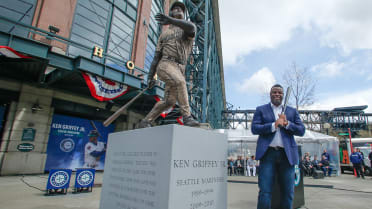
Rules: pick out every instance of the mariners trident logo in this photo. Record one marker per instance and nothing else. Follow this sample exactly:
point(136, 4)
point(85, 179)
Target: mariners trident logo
point(85, 178)
point(67, 145)
point(297, 175)
point(59, 179)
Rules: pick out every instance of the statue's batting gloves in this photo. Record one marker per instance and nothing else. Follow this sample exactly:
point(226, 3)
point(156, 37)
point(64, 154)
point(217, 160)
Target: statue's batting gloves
point(151, 83)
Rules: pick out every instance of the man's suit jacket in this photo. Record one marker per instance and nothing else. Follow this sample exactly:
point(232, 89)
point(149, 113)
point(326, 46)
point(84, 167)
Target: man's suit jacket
point(262, 124)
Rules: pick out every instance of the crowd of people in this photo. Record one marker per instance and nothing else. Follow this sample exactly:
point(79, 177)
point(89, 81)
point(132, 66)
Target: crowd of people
point(248, 166)
point(311, 166)
point(241, 166)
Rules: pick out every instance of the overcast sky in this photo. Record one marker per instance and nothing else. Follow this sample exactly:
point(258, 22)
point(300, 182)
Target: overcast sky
point(332, 38)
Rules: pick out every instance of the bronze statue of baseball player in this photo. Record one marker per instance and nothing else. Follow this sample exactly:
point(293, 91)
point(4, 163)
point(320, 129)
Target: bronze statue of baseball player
point(171, 54)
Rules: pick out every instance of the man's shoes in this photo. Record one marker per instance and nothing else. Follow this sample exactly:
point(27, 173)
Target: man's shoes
point(189, 121)
point(144, 124)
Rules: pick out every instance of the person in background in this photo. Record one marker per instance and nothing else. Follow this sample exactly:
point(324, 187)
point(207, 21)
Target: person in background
point(302, 162)
point(242, 162)
point(370, 158)
point(356, 159)
point(307, 154)
point(230, 166)
point(315, 164)
point(235, 167)
point(325, 166)
point(251, 164)
point(239, 166)
point(307, 166)
point(325, 153)
point(362, 154)
point(247, 171)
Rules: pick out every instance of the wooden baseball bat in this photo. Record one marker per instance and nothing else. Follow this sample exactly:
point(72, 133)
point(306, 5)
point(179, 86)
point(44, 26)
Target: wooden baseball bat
point(113, 117)
point(95, 127)
point(286, 99)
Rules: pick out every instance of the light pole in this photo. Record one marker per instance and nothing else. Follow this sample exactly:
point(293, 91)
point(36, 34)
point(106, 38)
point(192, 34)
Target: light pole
point(327, 126)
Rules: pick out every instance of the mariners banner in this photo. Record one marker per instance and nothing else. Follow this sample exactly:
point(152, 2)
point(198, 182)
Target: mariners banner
point(76, 143)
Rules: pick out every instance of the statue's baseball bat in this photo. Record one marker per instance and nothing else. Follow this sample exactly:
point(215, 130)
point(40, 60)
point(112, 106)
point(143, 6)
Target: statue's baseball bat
point(287, 94)
point(113, 117)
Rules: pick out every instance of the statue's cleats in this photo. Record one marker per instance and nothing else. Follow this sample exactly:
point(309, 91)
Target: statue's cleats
point(144, 124)
point(189, 121)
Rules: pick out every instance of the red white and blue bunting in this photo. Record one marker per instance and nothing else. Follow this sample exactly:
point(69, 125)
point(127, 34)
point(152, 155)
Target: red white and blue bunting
point(11, 53)
point(104, 89)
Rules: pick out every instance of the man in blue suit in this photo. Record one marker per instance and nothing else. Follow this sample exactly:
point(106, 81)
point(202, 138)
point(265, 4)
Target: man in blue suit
point(276, 148)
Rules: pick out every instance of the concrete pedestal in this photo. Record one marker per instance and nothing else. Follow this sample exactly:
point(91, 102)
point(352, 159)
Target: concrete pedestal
point(164, 167)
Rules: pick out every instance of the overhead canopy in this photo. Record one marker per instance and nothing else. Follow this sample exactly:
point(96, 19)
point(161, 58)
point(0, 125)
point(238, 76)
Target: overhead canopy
point(351, 109)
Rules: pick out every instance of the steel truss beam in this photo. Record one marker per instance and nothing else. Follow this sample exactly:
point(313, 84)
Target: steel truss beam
point(204, 71)
point(313, 119)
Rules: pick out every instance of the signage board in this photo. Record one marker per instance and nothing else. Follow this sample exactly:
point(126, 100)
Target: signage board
point(72, 145)
point(84, 177)
point(25, 147)
point(59, 179)
point(28, 134)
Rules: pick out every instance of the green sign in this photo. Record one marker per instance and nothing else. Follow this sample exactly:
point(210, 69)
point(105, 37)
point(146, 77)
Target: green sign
point(28, 134)
point(343, 134)
point(25, 147)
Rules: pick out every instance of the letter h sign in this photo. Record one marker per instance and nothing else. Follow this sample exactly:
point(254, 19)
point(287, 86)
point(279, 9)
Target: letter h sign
point(97, 51)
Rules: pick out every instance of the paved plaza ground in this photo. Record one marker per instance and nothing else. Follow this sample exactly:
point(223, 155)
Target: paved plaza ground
point(345, 191)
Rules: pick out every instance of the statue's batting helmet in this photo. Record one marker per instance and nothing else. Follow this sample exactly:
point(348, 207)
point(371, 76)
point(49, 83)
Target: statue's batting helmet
point(177, 3)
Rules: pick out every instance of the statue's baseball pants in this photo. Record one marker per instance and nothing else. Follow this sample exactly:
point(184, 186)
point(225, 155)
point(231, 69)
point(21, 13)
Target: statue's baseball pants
point(172, 74)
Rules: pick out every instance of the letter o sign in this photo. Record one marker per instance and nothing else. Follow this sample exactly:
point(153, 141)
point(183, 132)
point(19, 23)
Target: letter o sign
point(130, 65)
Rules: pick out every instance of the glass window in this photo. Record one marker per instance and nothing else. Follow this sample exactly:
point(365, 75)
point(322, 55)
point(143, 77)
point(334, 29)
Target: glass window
point(20, 11)
point(89, 26)
point(132, 12)
point(133, 2)
point(108, 24)
point(120, 38)
point(121, 4)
